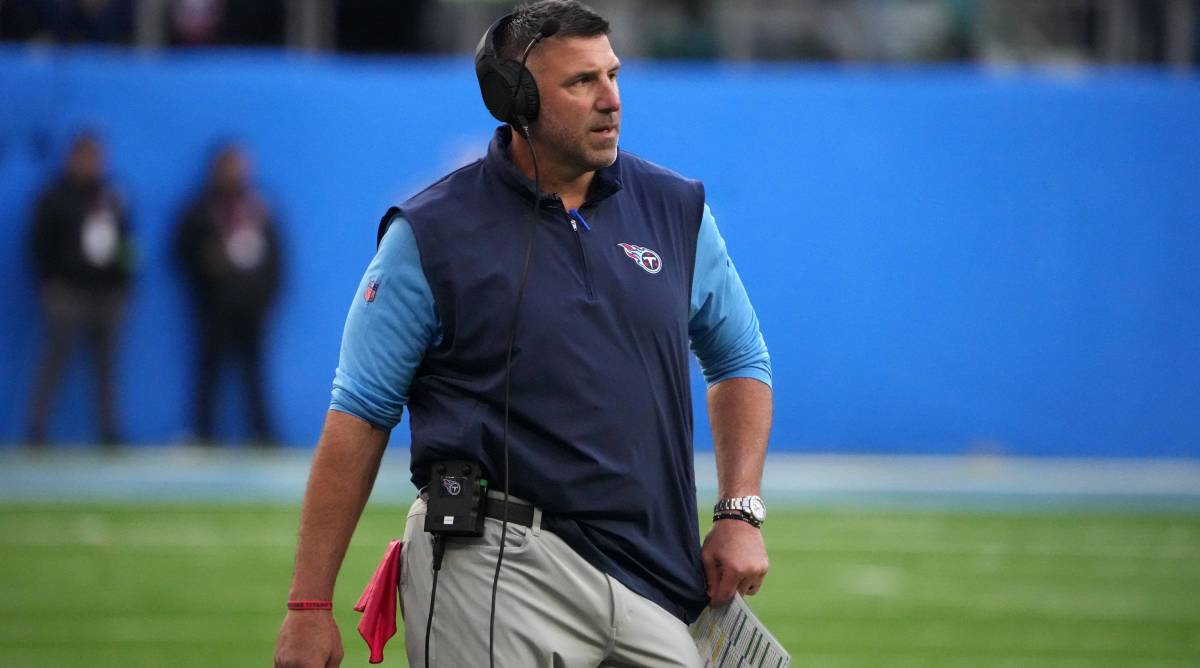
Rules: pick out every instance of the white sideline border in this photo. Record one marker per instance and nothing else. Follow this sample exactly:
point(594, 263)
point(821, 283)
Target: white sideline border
point(190, 474)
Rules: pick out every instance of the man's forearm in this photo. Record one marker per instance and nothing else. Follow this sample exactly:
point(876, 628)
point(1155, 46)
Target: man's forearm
point(739, 411)
point(733, 554)
point(343, 473)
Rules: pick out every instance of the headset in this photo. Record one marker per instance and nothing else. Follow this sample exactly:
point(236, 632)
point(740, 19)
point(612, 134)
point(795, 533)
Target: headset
point(508, 87)
point(511, 95)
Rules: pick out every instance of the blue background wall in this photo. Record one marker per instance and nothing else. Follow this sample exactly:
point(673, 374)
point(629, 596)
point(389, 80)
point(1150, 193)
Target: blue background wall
point(943, 261)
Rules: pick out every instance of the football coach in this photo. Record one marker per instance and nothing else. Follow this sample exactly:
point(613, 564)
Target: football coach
point(534, 310)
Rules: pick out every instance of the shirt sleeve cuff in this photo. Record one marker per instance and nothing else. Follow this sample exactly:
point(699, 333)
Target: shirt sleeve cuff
point(378, 412)
point(762, 375)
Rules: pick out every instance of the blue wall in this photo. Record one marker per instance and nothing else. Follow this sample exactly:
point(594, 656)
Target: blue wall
point(943, 260)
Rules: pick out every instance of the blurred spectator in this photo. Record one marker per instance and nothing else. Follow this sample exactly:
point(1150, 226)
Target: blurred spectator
point(228, 246)
point(196, 21)
point(213, 22)
point(84, 254)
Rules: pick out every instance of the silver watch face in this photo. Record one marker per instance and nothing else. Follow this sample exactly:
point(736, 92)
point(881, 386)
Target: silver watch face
point(758, 509)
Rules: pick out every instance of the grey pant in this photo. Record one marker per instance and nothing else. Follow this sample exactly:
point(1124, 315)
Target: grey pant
point(77, 315)
point(553, 609)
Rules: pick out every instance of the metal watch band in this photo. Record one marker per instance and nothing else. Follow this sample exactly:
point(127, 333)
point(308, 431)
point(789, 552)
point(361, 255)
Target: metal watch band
point(750, 508)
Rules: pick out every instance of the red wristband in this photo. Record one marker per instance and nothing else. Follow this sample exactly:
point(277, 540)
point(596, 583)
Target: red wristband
point(310, 605)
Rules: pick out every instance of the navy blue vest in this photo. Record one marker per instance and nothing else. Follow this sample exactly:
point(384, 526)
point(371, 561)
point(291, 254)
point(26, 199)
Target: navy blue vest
point(600, 432)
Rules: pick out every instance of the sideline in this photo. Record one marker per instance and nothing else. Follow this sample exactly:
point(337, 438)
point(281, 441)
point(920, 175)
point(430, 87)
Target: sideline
point(202, 475)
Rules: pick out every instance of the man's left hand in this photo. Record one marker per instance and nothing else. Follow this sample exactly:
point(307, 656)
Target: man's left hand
point(735, 560)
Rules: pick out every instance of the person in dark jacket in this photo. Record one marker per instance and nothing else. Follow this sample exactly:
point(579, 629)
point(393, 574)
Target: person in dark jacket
point(83, 251)
point(228, 245)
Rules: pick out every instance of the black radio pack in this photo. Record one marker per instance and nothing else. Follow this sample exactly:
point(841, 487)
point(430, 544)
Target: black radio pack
point(456, 494)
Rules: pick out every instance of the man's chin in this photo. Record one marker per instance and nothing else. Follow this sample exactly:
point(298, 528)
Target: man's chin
point(603, 157)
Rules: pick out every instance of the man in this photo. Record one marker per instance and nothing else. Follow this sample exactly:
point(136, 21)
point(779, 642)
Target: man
point(83, 250)
point(604, 566)
point(228, 245)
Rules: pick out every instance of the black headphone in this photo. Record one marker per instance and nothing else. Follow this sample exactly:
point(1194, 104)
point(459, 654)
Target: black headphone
point(508, 88)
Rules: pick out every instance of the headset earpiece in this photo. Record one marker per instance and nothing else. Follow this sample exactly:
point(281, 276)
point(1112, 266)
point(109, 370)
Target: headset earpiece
point(509, 90)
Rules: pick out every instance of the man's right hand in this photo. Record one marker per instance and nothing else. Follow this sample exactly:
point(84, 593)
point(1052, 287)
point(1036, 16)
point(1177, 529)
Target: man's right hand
point(308, 639)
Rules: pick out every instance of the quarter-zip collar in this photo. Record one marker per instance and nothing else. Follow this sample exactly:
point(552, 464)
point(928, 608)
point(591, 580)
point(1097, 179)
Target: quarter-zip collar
point(498, 162)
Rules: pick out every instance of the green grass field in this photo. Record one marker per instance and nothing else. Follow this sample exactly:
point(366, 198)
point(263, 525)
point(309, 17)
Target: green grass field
point(172, 585)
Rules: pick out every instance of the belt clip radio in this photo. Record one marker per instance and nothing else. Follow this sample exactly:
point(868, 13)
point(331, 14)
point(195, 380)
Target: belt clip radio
point(456, 494)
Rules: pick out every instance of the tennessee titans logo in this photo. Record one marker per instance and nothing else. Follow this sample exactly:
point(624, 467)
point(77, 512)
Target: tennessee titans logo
point(452, 486)
point(643, 257)
point(371, 291)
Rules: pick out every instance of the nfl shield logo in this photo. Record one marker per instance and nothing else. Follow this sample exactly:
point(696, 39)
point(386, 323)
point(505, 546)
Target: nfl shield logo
point(372, 288)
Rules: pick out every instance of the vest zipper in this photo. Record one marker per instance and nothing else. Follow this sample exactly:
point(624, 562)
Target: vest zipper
point(572, 216)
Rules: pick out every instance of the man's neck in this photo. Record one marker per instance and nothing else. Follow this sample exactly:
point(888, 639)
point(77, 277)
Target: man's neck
point(571, 187)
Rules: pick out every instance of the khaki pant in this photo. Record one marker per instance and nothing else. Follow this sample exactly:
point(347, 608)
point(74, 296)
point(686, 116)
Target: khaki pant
point(553, 609)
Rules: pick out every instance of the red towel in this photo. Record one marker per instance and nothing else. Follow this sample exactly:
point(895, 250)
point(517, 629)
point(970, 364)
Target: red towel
point(378, 602)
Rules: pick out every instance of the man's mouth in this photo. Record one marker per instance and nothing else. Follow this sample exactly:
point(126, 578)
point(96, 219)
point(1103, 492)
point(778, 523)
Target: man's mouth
point(606, 130)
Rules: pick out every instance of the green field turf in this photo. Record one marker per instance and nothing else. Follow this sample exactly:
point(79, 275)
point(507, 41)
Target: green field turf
point(170, 585)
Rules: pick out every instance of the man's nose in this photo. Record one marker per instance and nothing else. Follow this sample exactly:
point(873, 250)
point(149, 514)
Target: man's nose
point(610, 98)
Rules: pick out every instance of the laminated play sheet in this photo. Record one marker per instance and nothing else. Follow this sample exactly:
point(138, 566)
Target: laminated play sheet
point(732, 637)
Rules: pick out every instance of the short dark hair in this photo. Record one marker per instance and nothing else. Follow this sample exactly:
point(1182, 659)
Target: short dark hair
point(575, 19)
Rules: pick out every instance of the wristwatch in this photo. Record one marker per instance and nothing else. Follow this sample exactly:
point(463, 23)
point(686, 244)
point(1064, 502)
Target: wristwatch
point(749, 509)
